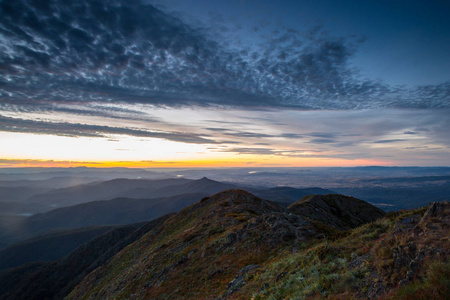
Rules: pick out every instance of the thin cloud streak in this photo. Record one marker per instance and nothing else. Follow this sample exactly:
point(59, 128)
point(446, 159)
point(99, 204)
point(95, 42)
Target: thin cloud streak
point(85, 130)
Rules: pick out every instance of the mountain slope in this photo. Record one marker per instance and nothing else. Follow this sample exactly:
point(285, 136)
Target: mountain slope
point(118, 211)
point(54, 280)
point(234, 245)
point(203, 246)
point(338, 211)
point(167, 195)
point(49, 247)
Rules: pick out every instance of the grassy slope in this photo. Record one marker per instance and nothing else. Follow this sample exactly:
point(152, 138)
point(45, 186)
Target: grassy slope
point(193, 256)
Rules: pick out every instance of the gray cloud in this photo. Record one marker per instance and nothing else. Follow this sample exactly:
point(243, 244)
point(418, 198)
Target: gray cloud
point(59, 52)
point(86, 130)
point(326, 135)
point(256, 151)
point(271, 151)
point(322, 141)
point(389, 141)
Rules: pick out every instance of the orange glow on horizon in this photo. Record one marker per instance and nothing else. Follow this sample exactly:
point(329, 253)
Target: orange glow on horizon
point(216, 163)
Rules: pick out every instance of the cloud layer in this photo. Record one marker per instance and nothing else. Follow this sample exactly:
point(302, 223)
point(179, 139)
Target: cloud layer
point(57, 53)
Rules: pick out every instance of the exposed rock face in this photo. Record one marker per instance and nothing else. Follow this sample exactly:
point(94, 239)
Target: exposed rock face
point(338, 211)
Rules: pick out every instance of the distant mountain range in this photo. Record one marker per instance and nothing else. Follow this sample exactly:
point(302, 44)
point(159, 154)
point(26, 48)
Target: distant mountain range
point(164, 196)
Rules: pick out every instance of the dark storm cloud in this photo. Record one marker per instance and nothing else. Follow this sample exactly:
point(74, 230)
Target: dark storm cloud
point(86, 130)
point(64, 52)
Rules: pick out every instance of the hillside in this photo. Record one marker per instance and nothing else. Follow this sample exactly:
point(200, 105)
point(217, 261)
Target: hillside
point(54, 280)
point(234, 245)
point(118, 211)
point(49, 247)
point(337, 211)
point(237, 246)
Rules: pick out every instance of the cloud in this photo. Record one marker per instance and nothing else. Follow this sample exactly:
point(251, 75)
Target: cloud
point(322, 141)
point(76, 130)
point(272, 151)
point(389, 141)
point(246, 134)
point(60, 53)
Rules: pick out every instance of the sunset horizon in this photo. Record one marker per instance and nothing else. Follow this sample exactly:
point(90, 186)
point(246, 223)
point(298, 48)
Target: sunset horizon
point(167, 83)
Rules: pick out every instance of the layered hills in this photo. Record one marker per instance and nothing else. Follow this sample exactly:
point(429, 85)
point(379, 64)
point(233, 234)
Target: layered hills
point(133, 200)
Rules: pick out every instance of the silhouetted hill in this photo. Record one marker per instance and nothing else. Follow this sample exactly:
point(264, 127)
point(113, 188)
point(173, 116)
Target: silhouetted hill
point(118, 211)
point(8, 174)
point(19, 193)
point(337, 211)
point(203, 185)
point(50, 183)
point(49, 247)
point(101, 191)
point(168, 195)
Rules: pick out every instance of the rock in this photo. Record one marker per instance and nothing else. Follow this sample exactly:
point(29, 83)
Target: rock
point(279, 228)
point(376, 290)
point(239, 281)
point(436, 209)
point(358, 262)
point(403, 255)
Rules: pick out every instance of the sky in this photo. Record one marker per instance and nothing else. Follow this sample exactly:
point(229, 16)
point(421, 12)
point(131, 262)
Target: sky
point(206, 83)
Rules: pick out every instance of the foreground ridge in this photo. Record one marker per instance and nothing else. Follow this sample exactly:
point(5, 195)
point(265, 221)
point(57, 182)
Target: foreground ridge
point(235, 245)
